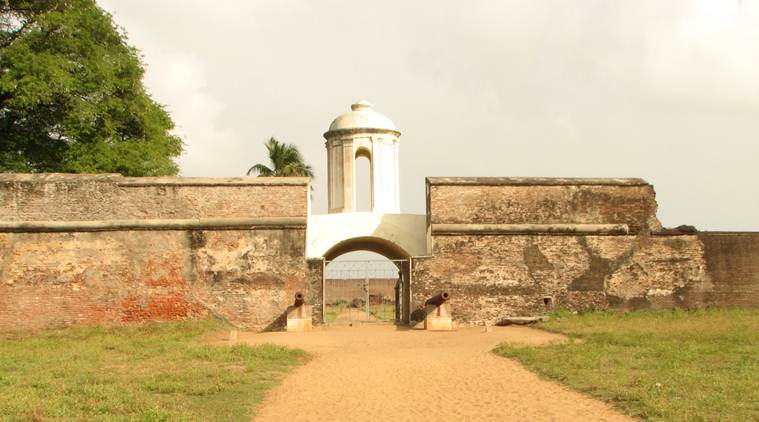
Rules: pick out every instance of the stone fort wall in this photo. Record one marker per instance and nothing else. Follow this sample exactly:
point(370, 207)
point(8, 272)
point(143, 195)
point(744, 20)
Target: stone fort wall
point(71, 197)
point(89, 249)
point(520, 247)
point(732, 261)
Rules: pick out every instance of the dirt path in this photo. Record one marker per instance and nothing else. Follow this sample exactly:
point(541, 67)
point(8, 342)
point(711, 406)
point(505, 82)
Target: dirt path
point(378, 372)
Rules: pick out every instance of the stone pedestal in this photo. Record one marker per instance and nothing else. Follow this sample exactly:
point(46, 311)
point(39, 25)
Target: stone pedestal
point(299, 318)
point(438, 317)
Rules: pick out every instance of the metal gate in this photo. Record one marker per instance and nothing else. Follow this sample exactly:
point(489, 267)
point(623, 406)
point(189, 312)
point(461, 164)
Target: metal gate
point(364, 291)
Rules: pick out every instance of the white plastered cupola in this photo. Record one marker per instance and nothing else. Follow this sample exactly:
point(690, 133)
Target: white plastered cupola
point(362, 132)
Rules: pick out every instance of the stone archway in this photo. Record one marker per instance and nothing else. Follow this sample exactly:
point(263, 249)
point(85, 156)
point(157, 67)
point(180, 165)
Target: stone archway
point(397, 236)
point(384, 247)
point(394, 236)
point(367, 289)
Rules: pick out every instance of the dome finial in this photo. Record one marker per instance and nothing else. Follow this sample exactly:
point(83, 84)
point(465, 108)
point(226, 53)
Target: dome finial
point(362, 105)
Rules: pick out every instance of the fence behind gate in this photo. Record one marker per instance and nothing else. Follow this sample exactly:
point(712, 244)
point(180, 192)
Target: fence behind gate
point(363, 291)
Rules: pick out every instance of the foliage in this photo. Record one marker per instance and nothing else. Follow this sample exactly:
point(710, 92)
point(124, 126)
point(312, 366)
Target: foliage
point(286, 161)
point(71, 95)
point(671, 365)
point(158, 371)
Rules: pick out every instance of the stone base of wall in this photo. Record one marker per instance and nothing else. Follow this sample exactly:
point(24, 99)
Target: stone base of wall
point(491, 277)
point(247, 277)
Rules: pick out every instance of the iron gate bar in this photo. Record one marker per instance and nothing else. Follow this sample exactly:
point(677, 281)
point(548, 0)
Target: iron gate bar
point(366, 288)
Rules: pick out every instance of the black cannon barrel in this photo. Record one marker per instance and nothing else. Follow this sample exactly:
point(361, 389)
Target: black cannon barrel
point(439, 299)
point(298, 298)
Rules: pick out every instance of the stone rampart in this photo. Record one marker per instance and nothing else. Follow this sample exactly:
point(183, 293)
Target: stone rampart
point(494, 200)
point(522, 247)
point(491, 277)
point(105, 249)
point(69, 197)
point(90, 249)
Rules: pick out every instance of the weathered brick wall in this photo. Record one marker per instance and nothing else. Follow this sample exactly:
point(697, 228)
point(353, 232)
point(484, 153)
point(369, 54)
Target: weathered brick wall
point(247, 277)
point(315, 292)
point(69, 197)
point(732, 260)
point(541, 201)
point(503, 247)
point(491, 277)
point(245, 272)
point(53, 279)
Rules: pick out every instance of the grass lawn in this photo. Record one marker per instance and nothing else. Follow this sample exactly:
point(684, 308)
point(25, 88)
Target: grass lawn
point(155, 372)
point(672, 365)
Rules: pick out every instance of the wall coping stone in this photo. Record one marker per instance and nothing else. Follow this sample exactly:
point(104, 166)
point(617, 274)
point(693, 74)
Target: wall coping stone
point(728, 233)
point(153, 224)
point(58, 177)
point(568, 229)
point(152, 181)
point(213, 181)
point(534, 181)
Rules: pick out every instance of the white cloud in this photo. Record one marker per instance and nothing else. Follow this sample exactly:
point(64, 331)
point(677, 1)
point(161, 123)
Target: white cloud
point(179, 81)
point(708, 51)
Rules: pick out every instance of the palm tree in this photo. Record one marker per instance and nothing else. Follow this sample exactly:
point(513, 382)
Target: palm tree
point(285, 159)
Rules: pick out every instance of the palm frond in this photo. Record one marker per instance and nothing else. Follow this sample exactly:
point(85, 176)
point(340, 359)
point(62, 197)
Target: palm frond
point(286, 161)
point(261, 170)
point(298, 169)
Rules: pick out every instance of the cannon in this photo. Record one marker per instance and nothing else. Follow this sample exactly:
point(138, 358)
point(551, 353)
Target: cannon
point(299, 299)
point(299, 314)
point(438, 313)
point(438, 299)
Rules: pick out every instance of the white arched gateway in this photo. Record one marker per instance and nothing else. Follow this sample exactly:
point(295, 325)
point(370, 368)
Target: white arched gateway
point(356, 134)
point(395, 236)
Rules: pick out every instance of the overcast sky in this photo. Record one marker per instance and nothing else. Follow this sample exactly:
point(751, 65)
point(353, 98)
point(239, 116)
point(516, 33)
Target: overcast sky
point(663, 90)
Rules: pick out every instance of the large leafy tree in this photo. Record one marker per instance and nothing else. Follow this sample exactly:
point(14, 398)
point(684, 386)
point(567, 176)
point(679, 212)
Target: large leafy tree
point(71, 94)
point(286, 161)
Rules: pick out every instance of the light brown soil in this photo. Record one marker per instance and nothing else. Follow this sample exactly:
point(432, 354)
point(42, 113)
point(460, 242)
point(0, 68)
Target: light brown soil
point(384, 373)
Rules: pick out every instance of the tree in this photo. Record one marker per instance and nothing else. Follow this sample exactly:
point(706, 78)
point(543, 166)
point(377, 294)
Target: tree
point(286, 161)
point(72, 97)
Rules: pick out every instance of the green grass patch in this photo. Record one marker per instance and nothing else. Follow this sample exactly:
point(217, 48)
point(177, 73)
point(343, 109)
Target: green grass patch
point(383, 312)
point(331, 312)
point(155, 372)
point(670, 365)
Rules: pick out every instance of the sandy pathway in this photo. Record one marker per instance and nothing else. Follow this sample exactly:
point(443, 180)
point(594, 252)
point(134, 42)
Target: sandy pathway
point(377, 372)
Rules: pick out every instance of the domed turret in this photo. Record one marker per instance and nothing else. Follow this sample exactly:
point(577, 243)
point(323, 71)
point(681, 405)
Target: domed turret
point(362, 132)
point(361, 116)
